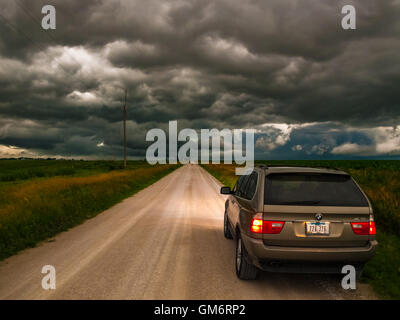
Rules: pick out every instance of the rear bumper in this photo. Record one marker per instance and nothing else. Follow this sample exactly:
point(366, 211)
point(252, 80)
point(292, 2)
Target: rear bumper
point(272, 258)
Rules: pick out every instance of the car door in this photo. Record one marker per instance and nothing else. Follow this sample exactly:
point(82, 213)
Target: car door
point(246, 205)
point(232, 207)
point(239, 201)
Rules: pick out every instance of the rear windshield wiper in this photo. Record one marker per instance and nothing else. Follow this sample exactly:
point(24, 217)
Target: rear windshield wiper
point(310, 202)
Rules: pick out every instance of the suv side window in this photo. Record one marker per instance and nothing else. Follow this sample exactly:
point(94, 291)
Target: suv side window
point(243, 187)
point(236, 188)
point(251, 186)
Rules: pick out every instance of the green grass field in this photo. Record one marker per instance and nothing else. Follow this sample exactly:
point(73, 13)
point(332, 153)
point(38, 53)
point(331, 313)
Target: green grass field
point(380, 179)
point(40, 198)
point(17, 170)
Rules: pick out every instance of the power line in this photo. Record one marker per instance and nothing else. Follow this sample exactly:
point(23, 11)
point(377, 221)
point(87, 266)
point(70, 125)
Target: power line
point(17, 30)
point(22, 6)
point(26, 10)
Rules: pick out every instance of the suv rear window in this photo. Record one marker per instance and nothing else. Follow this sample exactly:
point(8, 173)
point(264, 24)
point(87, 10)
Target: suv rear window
point(309, 189)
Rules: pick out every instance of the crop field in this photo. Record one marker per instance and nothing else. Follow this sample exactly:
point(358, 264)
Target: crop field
point(40, 198)
point(17, 170)
point(380, 179)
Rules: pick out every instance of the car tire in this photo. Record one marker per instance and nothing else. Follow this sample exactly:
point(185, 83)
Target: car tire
point(244, 269)
point(227, 232)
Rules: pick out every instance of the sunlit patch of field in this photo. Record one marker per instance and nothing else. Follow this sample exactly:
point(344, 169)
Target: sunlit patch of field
point(36, 209)
point(381, 182)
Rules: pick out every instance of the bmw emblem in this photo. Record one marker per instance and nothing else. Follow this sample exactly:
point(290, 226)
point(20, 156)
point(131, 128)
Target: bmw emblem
point(318, 216)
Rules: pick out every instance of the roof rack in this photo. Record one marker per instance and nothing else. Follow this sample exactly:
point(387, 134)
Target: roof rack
point(265, 166)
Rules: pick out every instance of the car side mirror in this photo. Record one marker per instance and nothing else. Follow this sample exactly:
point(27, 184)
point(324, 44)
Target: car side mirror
point(226, 190)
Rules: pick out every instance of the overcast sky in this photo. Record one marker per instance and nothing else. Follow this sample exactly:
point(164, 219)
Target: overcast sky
point(283, 67)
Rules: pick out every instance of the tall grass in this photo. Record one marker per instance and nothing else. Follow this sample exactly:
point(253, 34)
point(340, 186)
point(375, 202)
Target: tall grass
point(38, 209)
point(17, 170)
point(383, 189)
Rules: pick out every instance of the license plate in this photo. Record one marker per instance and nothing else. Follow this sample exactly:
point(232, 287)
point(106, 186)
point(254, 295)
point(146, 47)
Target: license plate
point(317, 228)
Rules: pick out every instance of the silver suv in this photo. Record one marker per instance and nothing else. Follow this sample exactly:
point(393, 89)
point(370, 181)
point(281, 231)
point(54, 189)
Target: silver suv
point(298, 219)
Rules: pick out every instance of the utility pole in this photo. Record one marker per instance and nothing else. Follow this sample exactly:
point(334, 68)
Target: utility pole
point(126, 93)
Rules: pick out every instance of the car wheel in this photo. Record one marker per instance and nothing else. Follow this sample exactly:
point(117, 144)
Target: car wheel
point(244, 269)
point(227, 232)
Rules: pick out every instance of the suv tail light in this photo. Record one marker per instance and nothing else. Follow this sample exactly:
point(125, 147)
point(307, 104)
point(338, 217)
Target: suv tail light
point(256, 226)
point(364, 228)
point(273, 227)
point(372, 228)
point(265, 226)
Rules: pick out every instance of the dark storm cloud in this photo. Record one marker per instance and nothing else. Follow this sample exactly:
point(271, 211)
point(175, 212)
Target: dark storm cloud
point(205, 63)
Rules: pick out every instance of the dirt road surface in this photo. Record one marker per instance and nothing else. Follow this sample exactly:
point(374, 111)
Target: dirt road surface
point(165, 242)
